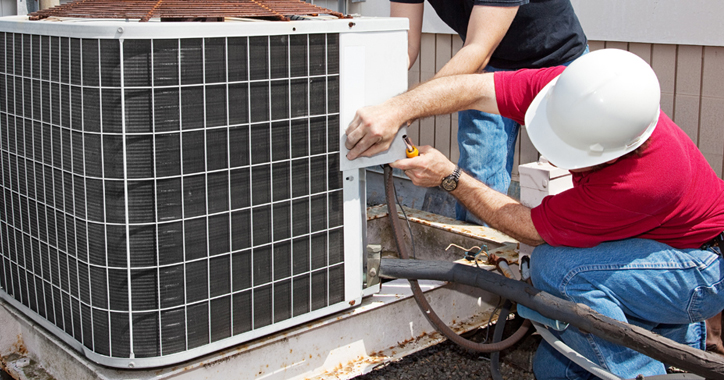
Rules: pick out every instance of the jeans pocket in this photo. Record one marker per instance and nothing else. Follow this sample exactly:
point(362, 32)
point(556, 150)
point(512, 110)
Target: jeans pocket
point(706, 302)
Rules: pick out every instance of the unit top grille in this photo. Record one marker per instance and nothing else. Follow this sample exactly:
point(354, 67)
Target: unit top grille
point(184, 10)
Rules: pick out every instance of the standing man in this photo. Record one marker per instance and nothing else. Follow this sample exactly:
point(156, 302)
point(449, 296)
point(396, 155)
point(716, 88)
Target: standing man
point(622, 241)
point(498, 35)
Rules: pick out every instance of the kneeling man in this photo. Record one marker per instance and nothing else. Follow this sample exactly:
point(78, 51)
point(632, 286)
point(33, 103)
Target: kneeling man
point(637, 236)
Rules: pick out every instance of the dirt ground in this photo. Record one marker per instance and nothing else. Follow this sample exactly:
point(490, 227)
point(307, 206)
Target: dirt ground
point(447, 360)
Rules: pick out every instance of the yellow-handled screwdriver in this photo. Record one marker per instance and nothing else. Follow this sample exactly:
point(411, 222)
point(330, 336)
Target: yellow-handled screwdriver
point(411, 149)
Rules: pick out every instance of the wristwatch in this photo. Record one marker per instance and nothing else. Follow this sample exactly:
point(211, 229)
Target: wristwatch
point(450, 182)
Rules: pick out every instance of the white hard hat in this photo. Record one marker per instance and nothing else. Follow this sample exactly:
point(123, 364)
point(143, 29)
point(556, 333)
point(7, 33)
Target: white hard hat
point(604, 105)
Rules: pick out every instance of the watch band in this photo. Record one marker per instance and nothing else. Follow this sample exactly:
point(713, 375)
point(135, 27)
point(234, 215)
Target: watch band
point(450, 182)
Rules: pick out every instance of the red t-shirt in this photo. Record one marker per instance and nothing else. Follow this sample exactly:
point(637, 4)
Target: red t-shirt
point(669, 194)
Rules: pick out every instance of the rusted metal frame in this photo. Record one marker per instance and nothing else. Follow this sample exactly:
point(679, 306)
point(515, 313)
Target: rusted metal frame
point(150, 13)
point(281, 17)
point(41, 14)
point(145, 10)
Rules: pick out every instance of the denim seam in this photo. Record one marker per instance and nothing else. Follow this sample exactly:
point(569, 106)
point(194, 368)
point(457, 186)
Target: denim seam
point(597, 351)
point(601, 267)
point(693, 296)
point(609, 267)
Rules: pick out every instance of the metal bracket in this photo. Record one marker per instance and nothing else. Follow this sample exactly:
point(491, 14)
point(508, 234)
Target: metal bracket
point(374, 253)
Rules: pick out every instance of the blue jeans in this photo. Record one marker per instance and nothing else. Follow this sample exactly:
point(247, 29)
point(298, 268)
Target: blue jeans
point(641, 282)
point(487, 149)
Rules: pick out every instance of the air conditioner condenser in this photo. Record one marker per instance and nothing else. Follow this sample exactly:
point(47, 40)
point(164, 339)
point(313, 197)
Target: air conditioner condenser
point(169, 191)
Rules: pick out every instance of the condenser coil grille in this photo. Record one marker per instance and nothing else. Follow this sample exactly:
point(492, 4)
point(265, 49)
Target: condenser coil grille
point(163, 194)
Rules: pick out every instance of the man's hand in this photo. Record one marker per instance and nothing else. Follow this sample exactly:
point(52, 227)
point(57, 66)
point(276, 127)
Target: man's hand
point(372, 130)
point(497, 210)
point(428, 169)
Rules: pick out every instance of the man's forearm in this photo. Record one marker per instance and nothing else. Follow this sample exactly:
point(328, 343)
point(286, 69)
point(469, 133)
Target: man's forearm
point(468, 60)
point(486, 28)
point(414, 13)
point(373, 127)
point(497, 210)
point(447, 95)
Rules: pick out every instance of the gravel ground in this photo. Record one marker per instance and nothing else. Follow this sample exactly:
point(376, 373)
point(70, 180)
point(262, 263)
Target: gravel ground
point(447, 360)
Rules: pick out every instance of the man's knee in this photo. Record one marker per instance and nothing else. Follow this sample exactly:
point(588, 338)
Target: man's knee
point(542, 266)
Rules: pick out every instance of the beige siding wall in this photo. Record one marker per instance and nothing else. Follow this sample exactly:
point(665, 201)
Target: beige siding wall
point(692, 94)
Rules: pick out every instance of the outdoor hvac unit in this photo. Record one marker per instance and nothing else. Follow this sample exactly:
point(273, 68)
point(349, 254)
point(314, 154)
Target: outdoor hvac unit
point(170, 189)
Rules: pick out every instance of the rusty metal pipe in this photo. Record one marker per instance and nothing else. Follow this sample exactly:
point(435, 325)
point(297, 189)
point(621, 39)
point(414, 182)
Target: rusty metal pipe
point(430, 314)
point(584, 318)
point(502, 265)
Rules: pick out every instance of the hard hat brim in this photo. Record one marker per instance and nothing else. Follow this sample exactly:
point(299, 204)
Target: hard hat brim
point(557, 151)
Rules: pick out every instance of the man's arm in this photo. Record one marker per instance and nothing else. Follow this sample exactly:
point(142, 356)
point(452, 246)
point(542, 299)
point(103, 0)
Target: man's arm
point(486, 28)
point(498, 210)
point(414, 13)
point(373, 127)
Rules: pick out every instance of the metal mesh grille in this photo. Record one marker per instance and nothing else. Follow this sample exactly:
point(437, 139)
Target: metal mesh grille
point(184, 10)
point(160, 195)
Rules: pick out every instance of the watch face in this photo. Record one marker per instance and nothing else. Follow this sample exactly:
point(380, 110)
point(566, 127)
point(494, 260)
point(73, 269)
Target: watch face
point(449, 183)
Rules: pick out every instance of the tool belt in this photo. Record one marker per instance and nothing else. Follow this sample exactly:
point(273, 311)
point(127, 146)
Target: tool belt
point(717, 242)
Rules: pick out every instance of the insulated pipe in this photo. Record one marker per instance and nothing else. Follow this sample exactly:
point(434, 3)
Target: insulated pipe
point(430, 314)
point(581, 316)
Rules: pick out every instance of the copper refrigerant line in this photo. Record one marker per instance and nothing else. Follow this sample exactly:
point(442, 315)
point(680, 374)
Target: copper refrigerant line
point(184, 10)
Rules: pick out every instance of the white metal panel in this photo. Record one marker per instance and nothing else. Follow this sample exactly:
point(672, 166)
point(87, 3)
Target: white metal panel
point(355, 228)
point(371, 73)
point(8, 7)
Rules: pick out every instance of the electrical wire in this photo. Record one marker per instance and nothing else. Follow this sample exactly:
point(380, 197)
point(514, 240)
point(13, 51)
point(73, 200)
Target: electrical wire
point(497, 336)
point(409, 227)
